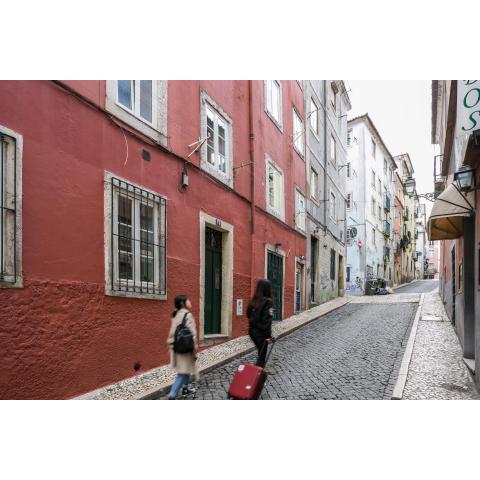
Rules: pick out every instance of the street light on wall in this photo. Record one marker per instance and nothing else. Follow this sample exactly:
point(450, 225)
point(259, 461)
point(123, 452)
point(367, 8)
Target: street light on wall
point(409, 186)
point(465, 178)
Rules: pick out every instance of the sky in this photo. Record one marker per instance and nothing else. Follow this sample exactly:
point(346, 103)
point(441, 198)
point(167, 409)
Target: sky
point(401, 111)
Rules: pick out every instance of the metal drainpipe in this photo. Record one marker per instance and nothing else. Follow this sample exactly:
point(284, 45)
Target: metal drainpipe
point(325, 159)
point(252, 184)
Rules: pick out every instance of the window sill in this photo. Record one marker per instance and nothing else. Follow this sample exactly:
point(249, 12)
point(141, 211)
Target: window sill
point(275, 214)
point(144, 296)
point(300, 154)
point(275, 122)
point(223, 177)
point(138, 123)
point(17, 284)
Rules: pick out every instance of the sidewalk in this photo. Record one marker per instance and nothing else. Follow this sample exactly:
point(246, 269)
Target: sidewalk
point(436, 368)
point(154, 383)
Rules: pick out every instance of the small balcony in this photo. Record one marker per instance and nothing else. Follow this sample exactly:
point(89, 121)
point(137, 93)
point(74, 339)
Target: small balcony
point(406, 214)
point(387, 229)
point(386, 203)
point(438, 178)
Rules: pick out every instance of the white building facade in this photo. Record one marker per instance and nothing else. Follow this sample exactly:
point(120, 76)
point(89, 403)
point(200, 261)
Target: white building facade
point(369, 206)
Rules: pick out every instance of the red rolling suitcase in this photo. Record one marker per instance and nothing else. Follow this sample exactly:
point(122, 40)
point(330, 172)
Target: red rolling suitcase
point(248, 381)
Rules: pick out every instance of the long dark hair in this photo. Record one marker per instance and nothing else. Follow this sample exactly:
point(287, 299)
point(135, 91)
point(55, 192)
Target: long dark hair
point(263, 290)
point(179, 302)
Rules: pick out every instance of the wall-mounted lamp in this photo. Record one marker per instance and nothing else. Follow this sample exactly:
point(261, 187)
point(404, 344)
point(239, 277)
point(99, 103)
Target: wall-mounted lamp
point(465, 178)
point(409, 186)
point(185, 177)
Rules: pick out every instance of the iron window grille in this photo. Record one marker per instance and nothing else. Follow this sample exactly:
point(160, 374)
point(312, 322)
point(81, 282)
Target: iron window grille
point(332, 264)
point(8, 209)
point(138, 243)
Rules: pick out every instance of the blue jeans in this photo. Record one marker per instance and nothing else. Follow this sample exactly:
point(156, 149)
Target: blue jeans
point(182, 379)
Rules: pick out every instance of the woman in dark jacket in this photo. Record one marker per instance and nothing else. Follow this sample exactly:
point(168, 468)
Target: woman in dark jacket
point(260, 314)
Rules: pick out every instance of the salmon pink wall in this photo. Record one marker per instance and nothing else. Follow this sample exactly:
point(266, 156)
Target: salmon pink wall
point(60, 335)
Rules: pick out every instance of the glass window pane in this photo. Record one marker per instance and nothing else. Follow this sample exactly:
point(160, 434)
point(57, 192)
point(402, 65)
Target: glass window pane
point(146, 217)
point(124, 210)
point(211, 137)
point(146, 100)
point(276, 100)
point(125, 93)
point(146, 269)
point(268, 99)
point(271, 187)
point(125, 266)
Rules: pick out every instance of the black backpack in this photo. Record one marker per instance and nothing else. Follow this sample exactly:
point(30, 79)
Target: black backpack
point(183, 340)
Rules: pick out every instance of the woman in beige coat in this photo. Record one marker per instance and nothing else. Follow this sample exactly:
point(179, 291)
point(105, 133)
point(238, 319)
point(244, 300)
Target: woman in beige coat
point(183, 363)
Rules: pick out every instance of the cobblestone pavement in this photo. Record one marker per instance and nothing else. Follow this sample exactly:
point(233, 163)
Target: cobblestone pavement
point(436, 368)
point(351, 353)
point(419, 286)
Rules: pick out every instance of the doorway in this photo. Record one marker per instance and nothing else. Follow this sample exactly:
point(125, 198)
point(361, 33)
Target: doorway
point(213, 282)
point(299, 287)
point(275, 276)
point(313, 267)
point(341, 276)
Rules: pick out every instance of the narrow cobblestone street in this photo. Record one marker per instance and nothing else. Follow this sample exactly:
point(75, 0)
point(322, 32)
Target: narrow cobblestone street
point(351, 353)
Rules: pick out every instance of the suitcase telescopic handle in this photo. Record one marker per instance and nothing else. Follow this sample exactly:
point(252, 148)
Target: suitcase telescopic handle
point(265, 345)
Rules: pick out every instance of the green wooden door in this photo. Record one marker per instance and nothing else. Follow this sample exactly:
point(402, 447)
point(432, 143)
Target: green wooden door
point(275, 275)
point(213, 282)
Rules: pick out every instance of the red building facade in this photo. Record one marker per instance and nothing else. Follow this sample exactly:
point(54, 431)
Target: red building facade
point(115, 216)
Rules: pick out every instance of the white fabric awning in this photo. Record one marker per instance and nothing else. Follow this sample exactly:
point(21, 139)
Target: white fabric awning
point(449, 210)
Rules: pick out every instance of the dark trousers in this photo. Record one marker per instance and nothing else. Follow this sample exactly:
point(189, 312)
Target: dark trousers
point(259, 339)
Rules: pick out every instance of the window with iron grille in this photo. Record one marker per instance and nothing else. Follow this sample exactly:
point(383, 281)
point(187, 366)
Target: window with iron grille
point(138, 241)
point(332, 264)
point(10, 197)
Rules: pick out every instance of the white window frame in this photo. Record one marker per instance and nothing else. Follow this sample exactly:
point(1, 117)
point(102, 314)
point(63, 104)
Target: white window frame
point(157, 129)
point(332, 207)
point(374, 177)
point(333, 150)
point(300, 213)
point(298, 133)
point(280, 213)
point(349, 137)
point(135, 110)
point(314, 118)
point(374, 208)
point(268, 94)
point(111, 249)
point(373, 236)
point(379, 185)
point(207, 103)
point(12, 251)
point(333, 96)
point(349, 169)
point(348, 201)
point(314, 189)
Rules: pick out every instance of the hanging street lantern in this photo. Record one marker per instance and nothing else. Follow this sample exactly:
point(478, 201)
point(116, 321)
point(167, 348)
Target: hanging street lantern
point(409, 186)
point(464, 178)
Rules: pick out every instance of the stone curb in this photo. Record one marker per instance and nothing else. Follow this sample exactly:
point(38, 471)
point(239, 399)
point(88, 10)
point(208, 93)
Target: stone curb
point(405, 284)
point(163, 389)
point(407, 356)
